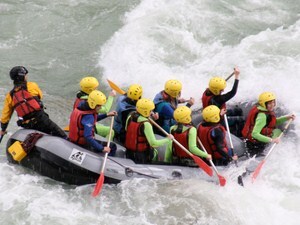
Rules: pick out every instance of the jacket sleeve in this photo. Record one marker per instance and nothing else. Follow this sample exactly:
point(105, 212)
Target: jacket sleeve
point(193, 148)
point(218, 138)
point(7, 112)
point(106, 108)
point(148, 130)
point(88, 125)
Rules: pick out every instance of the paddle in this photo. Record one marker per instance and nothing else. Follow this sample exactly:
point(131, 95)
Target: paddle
point(227, 78)
point(1, 138)
point(260, 165)
point(197, 160)
point(100, 180)
point(230, 140)
point(222, 179)
point(115, 87)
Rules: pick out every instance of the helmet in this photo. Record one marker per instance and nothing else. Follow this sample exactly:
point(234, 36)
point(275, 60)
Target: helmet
point(18, 73)
point(88, 84)
point(144, 106)
point(211, 114)
point(173, 88)
point(265, 97)
point(135, 92)
point(216, 85)
point(96, 98)
point(183, 114)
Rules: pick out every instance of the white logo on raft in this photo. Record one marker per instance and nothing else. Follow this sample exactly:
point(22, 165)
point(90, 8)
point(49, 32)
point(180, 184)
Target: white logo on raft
point(77, 156)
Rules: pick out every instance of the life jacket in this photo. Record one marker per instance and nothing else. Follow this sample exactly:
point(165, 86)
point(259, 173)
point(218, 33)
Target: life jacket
point(204, 133)
point(182, 138)
point(24, 102)
point(250, 123)
point(76, 128)
point(208, 99)
point(122, 105)
point(135, 138)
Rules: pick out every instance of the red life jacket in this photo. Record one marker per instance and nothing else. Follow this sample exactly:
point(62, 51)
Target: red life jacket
point(76, 129)
point(207, 99)
point(204, 133)
point(135, 137)
point(76, 103)
point(250, 123)
point(182, 138)
point(24, 102)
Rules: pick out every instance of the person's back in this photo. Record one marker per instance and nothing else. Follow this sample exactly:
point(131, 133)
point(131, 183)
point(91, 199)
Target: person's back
point(125, 105)
point(166, 102)
point(83, 120)
point(213, 136)
point(185, 133)
point(25, 99)
point(140, 140)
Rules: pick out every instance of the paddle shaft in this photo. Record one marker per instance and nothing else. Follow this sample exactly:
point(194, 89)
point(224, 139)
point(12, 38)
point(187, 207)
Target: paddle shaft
point(222, 180)
point(100, 180)
point(1, 138)
point(260, 165)
point(230, 140)
point(229, 76)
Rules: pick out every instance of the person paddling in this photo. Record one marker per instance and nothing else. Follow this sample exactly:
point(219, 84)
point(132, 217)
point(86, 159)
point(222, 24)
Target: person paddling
point(167, 101)
point(87, 85)
point(26, 99)
point(83, 120)
point(261, 124)
point(186, 134)
point(213, 95)
point(213, 136)
point(140, 139)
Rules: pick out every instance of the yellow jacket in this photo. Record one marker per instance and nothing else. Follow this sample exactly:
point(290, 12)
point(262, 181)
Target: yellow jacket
point(8, 108)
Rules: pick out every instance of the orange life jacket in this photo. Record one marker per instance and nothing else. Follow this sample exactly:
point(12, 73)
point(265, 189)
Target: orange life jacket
point(182, 138)
point(135, 137)
point(204, 133)
point(250, 123)
point(24, 102)
point(76, 128)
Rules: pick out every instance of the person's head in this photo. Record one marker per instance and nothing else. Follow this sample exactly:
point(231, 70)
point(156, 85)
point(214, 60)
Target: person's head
point(211, 114)
point(18, 73)
point(173, 88)
point(217, 85)
point(135, 92)
point(183, 115)
point(144, 107)
point(88, 84)
point(96, 99)
point(267, 100)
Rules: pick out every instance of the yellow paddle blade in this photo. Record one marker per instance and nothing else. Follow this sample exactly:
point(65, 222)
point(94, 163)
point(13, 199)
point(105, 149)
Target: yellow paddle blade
point(115, 87)
point(66, 128)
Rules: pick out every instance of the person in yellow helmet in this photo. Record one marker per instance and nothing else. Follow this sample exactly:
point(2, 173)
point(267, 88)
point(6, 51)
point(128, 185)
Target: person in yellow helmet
point(213, 95)
point(261, 123)
point(140, 141)
point(83, 120)
point(166, 101)
point(213, 136)
point(25, 99)
point(87, 85)
point(186, 134)
point(125, 105)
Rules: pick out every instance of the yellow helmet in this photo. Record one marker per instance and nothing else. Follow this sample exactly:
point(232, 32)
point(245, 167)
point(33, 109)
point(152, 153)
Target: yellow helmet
point(183, 114)
point(211, 114)
point(173, 88)
point(265, 97)
point(135, 92)
point(144, 106)
point(96, 98)
point(216, 85)
point(88, 84)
